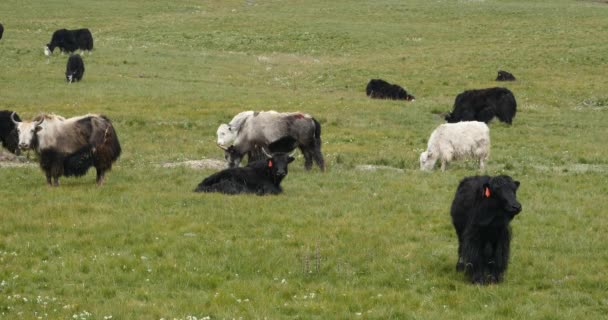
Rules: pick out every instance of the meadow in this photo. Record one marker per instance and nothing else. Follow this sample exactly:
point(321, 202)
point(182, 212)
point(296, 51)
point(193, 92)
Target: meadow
point(344, 244)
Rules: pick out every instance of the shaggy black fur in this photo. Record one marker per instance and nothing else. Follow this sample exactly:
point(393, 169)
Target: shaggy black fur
point(259, 177)
point(481, 211)
point(505, 76)
point(380, 89)
point(71, 40)
point(483, 105)
point(9, 137)
point(74, 69)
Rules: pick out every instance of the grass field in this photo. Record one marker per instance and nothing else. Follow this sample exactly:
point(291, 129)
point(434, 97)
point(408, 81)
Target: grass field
point(345, 244)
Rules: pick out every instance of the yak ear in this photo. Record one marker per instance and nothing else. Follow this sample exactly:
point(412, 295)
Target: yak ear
point(516, 184)
point(38, 128)
point(290, 159)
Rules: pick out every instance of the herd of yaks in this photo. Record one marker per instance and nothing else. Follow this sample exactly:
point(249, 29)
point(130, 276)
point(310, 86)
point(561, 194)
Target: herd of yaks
point(481, 210)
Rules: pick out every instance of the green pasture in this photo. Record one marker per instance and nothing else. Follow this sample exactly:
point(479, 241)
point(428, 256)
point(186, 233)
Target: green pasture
point(344, 244)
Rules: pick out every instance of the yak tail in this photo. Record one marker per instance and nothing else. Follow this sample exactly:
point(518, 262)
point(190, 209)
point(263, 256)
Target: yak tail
point(109, 149)
point(317, 129)
point(317, 155)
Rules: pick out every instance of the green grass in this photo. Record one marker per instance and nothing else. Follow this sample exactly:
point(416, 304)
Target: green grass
point(344, 244)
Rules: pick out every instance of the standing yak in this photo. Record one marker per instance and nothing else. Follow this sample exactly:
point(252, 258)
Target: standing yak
point(9, 138)
point(483, 105)
point(69, 147)
point(481, 211)
point(70, 41)
point(74, 70)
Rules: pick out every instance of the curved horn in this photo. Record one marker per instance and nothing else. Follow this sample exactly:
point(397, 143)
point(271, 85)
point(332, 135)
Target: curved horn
point(266, 152)
point(13, 118)
point(222, 147)
point(292, 153)
point(40, 122)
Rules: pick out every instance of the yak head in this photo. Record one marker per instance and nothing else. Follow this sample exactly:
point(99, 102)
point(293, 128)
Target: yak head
point(427, 161)
point(501, 191)
point(48, 49)
point(26, 131)
point(225, 135)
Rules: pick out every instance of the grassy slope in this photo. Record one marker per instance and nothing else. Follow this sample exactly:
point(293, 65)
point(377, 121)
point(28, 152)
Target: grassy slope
point(167, 73)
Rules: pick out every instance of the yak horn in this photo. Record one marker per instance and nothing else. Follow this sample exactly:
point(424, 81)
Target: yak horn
point(266, 152)
point(13, 118)
point(40, 122)
point(222, 147)
point(293, 153)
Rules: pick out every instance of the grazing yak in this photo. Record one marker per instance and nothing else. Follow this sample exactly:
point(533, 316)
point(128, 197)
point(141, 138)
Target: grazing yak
point(257, 129)
point(454, 141)
point(70, 41)
point(69, 147)
point(9, 138)
point(260, 177)
point(74, 68)
point(483, 105)
point(481, 211)
point(505, 76)
point(380, 89)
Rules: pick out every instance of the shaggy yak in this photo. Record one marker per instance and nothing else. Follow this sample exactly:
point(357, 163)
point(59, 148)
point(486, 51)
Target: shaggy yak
point(380, 89)
point(70, 41)
point(260, 177)
point(483, 105)
point(69, 147)
point(481, 211)
point(454, 141)
point(74, 70)
point(249, 131)
point(9, 138)
point(505, 76)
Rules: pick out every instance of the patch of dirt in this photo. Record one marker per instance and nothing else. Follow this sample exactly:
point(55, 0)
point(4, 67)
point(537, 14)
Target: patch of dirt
point(198, 164)
point(371, 167)
point(10, 160)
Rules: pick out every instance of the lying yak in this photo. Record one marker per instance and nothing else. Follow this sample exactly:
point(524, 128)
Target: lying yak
point(257, 129)
point(505, 76)
point(454, 141)
point(74, 69)
point(9, 138)
point(380, 89)
point(260, 177)
point(70, 41)
point(69, 147)
point(481, 211)
point(483, 105)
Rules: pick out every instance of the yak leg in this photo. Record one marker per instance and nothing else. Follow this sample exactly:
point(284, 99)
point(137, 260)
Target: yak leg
point(444, 164)
point(307, 158)
point(56, 181)
point(318, 157)
point(100, 177)
point(48, 179)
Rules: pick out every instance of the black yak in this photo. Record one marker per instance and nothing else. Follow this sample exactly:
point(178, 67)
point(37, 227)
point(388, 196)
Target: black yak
point(9, 138)
point(380, 89)
point(69, 147)
point(70, 41)
point(505, 76)
point(483, 105)
point(260, 177)
point(250, 129)
point(481, 211)
point(74, 69)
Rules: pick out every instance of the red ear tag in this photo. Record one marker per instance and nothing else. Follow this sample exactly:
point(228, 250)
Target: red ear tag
point(487, 192)
point(269, 163)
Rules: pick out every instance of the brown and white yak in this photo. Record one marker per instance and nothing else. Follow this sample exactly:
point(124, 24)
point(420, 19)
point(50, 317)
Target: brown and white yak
point(69, 147)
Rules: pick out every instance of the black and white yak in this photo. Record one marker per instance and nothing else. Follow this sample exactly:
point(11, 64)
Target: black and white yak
point(70, 41)
point(483, 104)
point(9, 138)
point(69, 147)
point(259, 177)
point(380, 89)
point(481, 212)
point(249, 131)
point(74, 69)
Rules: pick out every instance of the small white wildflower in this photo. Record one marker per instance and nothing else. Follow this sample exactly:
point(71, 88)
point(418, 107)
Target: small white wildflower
point(283, 281)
